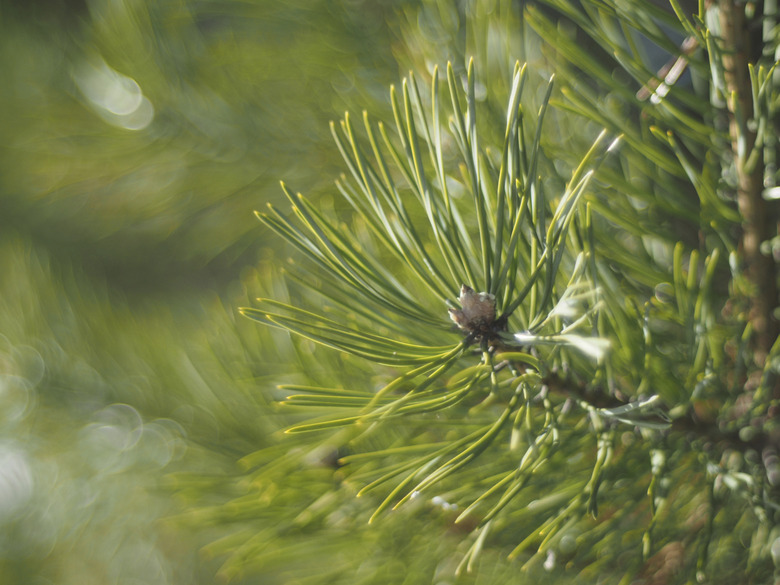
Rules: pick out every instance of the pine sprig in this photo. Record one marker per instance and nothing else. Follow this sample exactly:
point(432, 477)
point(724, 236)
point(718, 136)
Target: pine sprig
point(595, 328)
point(429, 233)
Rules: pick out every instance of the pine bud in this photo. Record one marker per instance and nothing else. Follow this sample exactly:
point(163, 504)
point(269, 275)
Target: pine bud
point(478, 312)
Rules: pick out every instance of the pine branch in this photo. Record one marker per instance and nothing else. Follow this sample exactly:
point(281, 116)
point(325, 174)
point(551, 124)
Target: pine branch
point(757, 220)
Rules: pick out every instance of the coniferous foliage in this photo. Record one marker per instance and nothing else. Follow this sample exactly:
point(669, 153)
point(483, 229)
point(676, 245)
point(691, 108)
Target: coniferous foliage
point(582, 363)
point(530, 335)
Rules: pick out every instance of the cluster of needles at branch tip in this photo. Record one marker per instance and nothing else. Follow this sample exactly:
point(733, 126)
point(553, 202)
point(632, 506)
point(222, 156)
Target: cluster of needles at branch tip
point(477, 317)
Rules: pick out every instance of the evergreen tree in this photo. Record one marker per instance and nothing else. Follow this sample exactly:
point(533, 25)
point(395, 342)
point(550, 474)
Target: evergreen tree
point(529, 336)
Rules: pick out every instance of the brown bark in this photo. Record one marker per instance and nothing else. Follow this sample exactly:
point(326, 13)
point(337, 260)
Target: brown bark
point(757, 221)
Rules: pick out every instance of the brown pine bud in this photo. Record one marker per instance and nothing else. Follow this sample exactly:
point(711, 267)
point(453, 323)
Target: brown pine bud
point(478, 312)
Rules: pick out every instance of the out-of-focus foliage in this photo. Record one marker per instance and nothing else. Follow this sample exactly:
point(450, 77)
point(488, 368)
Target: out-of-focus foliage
point(137, 139)
point(143, 130)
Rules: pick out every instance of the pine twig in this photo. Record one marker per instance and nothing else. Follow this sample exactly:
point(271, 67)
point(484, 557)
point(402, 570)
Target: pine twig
point(759, 268)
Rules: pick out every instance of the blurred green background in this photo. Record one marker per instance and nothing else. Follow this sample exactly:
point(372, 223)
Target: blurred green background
point(137, 139)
